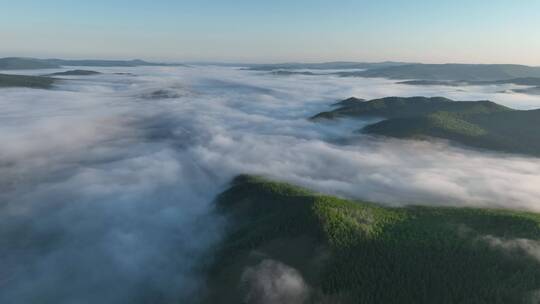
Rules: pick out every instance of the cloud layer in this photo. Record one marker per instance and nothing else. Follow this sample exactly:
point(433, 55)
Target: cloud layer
point(106, 186)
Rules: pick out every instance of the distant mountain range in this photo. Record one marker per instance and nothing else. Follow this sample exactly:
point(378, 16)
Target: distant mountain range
point(17, 63)
point(480, 124)
point(527, 81)
point(337, 65)
point(533, 82)
point(418, 73)
point(286, 244)
point(421, 74)
point(450, 72)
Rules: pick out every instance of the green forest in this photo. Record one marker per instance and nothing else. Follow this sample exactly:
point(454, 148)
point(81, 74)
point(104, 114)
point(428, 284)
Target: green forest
point(480, 124)
point(363, 252)
point(38, 82)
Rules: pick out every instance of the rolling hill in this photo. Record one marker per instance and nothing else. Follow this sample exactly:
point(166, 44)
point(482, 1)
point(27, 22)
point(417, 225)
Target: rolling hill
point(450, 72)
point(75, 73)
point(480, 124)
point(511, 131)
point(398, 107)
point(287, 243)
point(526, 81)
point(36, 82)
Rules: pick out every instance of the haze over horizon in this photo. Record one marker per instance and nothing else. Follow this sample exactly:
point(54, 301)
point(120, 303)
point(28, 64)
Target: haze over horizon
point(280, 31)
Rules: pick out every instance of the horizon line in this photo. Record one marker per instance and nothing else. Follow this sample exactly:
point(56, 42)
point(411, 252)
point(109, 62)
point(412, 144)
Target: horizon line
point(232, 62)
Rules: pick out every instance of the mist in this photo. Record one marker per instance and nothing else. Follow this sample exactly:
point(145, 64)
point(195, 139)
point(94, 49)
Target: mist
point(106, 187)
point(272, 282)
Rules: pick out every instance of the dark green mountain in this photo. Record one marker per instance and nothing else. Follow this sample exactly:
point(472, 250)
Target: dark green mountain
point(75, 73)
point(37, 82)
point(454, 72)
point(349, 102)
point(395, 107)
point(480, 124)
point(510, 131)
point(360, 252)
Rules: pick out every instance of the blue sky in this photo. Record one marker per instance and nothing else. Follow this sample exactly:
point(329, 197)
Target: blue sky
point(482, 31)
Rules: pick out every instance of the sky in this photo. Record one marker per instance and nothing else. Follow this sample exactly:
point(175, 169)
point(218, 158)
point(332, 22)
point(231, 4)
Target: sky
point(479, 31)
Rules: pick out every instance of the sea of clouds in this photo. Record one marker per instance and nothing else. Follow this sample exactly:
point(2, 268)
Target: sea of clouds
point(107, 181)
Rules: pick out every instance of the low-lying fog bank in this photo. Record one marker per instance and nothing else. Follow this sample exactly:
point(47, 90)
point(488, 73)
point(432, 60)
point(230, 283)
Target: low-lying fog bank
point(107, 182)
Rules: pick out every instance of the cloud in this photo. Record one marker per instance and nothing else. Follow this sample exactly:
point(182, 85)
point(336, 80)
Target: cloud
point(106, 196)
point(511, 246)
point(527, 246)
point(272, 282)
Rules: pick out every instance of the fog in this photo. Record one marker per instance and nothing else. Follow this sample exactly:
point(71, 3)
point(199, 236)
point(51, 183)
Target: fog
point(106, 186)
point(272, 282)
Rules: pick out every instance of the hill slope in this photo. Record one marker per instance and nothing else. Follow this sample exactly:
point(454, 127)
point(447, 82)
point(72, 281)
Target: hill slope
point(512, 131)
point(76, 73)
point(39, 82)
point(480, 124)
point(289, 245)
point(454, 72)
point(398, 107)
point(532, 83)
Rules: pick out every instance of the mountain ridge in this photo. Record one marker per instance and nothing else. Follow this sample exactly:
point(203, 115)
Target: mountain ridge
point(344, 251)
point(24, 63)
point(450, 72)
point(477, 124)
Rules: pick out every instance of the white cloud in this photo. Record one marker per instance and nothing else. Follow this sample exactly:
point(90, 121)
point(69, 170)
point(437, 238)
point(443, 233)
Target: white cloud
point(527, 246)
point(272, 282)
point(104, 189)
